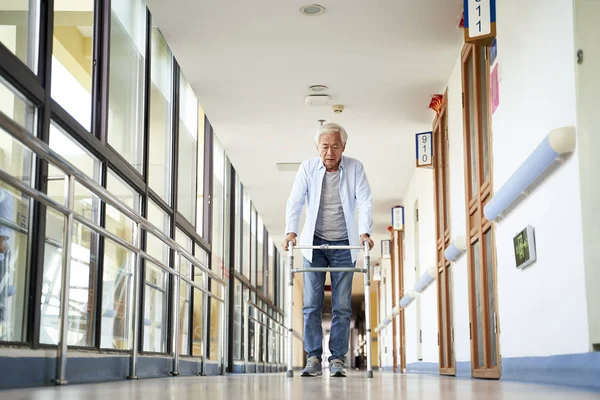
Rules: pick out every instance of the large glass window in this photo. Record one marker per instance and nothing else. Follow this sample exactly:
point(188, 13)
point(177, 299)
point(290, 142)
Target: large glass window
point(198, 317)
point(117, 280)
point(188, 146)
point(200, 175)
point(155, 309)
point(238, 322)
point(127, 69)
point(253, 245)
point(185, 294)
point(154, 246)
point(72, 55)
point(237, 262)
point(218, 208)
point(19, 30)
point(260, 251)
point(83, 270)
point(271, 270)
point(245, 233)
point(160, 128)
point(14, 217)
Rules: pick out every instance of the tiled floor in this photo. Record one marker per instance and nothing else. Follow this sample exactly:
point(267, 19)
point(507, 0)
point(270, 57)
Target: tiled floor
point(276, 386)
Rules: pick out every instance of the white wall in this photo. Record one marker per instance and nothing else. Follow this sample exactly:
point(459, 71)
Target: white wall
point(542, 309)
point(537, 94)
point(421, 189)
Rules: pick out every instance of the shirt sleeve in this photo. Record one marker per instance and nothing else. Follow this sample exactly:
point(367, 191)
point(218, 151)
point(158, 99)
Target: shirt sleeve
point(296, 201)
point(364, 201)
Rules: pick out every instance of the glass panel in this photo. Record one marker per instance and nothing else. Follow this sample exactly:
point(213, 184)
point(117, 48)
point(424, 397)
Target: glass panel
point(472, 126)
point(253, 257)
point(186, 242)
point(238, 226)
point(184, 315)
point(215, 329)
point(15, 158)
point(115, 221)
point(160, 128)
point(271, 270)
point(251, 332)
point(198, 324)
point(491, 289)
point(14, 231)
point(154, 246)
point(478, 304)
point(19, 30)
point(443, 331)
point(83, 273)
point(260, 260)
point(446, 174)
point(237, 321)
point(155, 309)
point(218, 207)
point(72, 55)
point(117, 296)
point(261, 335)
point(200, 180)
point(126, 84)
point(484, 101)
point(246, 234)
point(188, 146)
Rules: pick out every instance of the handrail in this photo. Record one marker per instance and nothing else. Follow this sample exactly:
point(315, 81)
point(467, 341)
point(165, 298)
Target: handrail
point(43, 151)
point(558, 142)
point(13, 226)
point(456, 248)
point(256, 307)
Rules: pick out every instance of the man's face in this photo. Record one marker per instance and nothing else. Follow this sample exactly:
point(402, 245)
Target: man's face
point(331, 148)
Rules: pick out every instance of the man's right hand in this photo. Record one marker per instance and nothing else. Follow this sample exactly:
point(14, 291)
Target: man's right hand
point(291, 237)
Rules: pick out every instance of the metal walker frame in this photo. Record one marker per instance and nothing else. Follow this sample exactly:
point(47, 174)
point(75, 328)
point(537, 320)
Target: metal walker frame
point(290, 290)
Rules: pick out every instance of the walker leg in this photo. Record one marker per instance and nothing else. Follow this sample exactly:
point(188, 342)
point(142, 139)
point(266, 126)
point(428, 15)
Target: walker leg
point(368, 310)
point(290, 306)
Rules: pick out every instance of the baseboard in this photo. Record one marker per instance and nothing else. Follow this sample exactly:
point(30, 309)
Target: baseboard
point(575, 370)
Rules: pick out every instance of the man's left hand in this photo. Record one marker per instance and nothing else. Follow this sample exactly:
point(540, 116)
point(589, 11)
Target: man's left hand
point(366, 238)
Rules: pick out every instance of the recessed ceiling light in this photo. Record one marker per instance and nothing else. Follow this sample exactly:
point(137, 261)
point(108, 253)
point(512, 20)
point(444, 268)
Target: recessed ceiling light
point(312, 10)
point(318, 88)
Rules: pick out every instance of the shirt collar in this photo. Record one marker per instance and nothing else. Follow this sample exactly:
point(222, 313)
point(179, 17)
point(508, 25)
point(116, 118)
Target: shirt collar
point(322, 166)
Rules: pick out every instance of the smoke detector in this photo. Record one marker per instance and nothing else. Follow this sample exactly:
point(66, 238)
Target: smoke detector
point(312, 10)
point(337, 108)
point(317, 100)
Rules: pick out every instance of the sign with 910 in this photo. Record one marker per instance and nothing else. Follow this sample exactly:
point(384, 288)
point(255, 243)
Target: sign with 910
point(424, 149)
point(480, 21)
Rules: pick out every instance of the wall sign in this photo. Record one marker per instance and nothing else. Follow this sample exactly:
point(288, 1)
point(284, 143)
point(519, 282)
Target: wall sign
point(398, 218)
point(424, 146)
point(480, 21)
point(385, 248)
point(524, 247)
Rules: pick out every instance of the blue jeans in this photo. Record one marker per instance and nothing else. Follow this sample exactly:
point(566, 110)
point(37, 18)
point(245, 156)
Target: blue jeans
point(341, 296)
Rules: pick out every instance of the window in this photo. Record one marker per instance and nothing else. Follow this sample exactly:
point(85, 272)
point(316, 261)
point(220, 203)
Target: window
point(14, 217)
point(253, 246)
point(161, 109)
point(188, 147)
point(246, 237)
point(271, 269)
point(19, 30)
point(126, 83)
point(237, 215)
point(260, 260)
point(185, 294)
point(83, 272)
point(238, 321)
point(200, 175)
point(154, 246)
point(155, 309)
point(199, 302)
point(218, 208)
point(119, 264)
point(72, 55)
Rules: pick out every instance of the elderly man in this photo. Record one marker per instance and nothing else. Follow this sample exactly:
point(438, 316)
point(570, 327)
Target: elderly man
point(332, 186)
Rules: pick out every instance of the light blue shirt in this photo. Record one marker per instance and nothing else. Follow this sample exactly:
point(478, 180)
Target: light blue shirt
point(355, 192)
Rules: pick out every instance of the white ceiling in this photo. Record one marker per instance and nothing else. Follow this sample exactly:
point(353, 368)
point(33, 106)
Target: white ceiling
point(251, 63)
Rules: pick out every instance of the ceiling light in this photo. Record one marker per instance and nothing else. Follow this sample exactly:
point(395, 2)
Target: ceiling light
point(312, 10)
point(318, 88)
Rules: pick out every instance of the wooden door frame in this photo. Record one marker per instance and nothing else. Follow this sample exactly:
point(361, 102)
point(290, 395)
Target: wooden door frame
point(476, 223)
point(443, 239)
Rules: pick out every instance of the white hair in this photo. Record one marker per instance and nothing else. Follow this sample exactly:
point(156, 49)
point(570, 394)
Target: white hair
point(331, 128)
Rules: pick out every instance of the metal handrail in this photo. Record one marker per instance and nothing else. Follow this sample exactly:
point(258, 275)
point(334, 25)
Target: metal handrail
point(43, 151)
point(13, 226)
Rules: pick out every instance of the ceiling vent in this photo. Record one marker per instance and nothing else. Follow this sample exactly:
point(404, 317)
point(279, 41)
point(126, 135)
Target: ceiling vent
point(317, 100)
point(288, 167)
